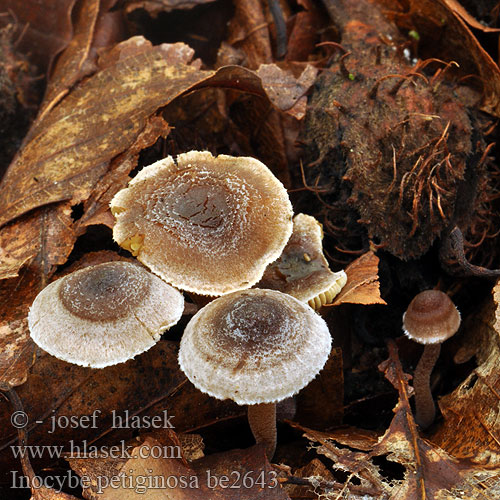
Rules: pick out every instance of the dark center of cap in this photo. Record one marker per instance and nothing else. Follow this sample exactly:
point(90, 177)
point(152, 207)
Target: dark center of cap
point(254, 324)
point(105, 292)
point(200, 205)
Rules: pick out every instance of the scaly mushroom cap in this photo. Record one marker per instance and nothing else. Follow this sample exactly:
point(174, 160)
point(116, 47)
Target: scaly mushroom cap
point(302, 270)
point(431, 318)
point(103, 314)
point(254, 346)
point(207, 225)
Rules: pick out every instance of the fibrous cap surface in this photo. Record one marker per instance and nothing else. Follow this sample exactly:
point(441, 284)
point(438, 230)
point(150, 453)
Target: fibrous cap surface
point(254, 346)
point(431, 318)
point(302, 270)
point(103, 315)
point(204, 224)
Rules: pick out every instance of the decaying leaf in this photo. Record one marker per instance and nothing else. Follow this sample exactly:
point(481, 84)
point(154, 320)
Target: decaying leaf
point(100, 119)
point(445, 28)
point(468, 18)
point(314, 470)
point(16, 348)
point(232, 475)
point(248, 30)
point(70, 66)
point(305, 32)
point(425, 471)
point(282, 88)
point(154, 7)
point(96, 207)
point(362, 285)
point(151, 384)
point(46, 235)
point(475, 404)
point(45, 239)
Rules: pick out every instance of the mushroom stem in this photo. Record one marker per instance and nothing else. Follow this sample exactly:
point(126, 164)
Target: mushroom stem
point(262, 420)
point(424, 404)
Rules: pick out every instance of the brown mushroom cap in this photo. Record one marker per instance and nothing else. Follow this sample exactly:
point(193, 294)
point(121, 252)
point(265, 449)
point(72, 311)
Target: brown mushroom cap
point(431, 318)
point(254, 346)
point(103, 314)
point(302, 270)
point(207, 225)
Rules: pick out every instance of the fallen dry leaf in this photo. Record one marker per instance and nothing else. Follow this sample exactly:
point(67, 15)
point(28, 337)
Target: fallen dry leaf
point(96, 207)
point(282, 88)
point(248, 30)
point(17, 350)
point(475, 404)
point(148, 385)
point(362, 285)
point(313, 470)
point(367, 480)
point(427, 472)
point(305, 32)
point(70, 66)
point(154, 7)
point(430, 471)
point(232, 475)
point(46, 234)
point(471, 20)
point(45, 239)
point(98, 120)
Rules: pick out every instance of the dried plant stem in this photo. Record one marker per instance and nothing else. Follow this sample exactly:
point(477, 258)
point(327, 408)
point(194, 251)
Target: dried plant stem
point(262, 420)
point(455, 242)
point(280, 25)
point(424, 404)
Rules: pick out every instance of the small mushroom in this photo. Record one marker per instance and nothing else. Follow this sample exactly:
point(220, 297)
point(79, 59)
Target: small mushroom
point(256, 347)
point(204, 224)
point(104, 314)
point(302, 270)
point(430, 319)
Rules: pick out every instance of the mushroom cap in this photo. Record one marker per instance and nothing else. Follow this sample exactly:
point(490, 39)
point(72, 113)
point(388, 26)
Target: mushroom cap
point(104, 314)
point(302, 270)
point(431, 318)
point(254, 346)
point(206, 225)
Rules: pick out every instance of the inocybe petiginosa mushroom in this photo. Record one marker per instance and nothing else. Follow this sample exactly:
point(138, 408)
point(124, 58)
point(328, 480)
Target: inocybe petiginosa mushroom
point(256, 347)
point(104, 314)
point(302, 270)
point(208, 225)
point(431, 318)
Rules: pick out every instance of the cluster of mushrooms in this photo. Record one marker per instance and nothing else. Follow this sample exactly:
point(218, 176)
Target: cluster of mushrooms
point(212, 226)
